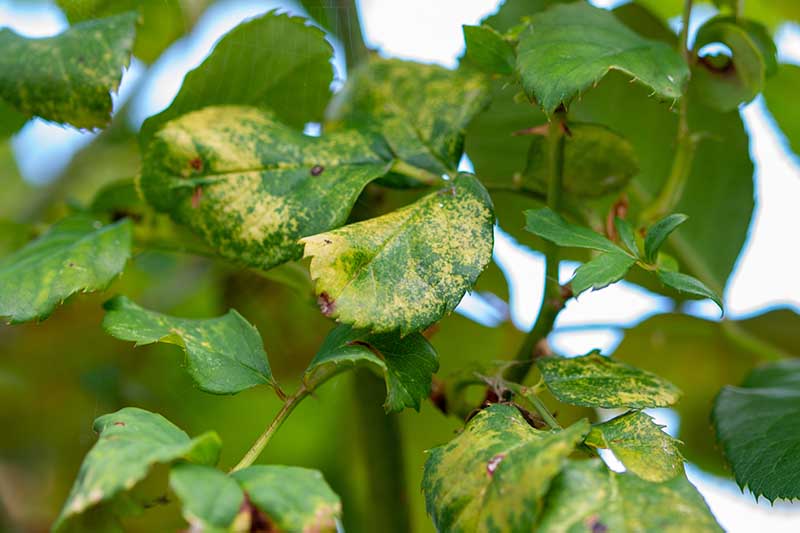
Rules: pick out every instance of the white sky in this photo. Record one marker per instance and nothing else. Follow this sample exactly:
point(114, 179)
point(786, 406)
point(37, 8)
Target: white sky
point(427, 30)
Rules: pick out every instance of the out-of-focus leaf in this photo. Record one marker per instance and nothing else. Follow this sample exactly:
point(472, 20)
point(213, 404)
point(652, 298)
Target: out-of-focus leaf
point(406, 363)
point(211, 500)
point(274, 61)
point(780, 93)
point(597, 162)
point(725, 81)
point(597, 381)
point(758, 425)
point(488, 51)
point(117, 198)
point(420, 110)
point(684, 283)
point(11, 120)
point(131, 441)
point(641, 445)
point(588, 496)
point(496, 473)
point(77, 254)
point(225, 354)
point(292, 498)
point(645, 22)
point(566, 50)
point(405, 270)
point(251, 186)
point(512, 12)
point(88, 59)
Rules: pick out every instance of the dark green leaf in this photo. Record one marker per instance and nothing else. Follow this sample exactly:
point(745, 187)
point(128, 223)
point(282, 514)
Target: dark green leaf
point(405, 270)
point(570, 47)
point(293, 498)
point(420, 110)
point(726, 81)
point(758, 425)
point(116, 198)
point(551, 226)
point(77, 254)
point(251, 186)
point(688, 285)
point(406, 363)
point(211, 499)
point(131, 441)
point(658, 233)
point(81, 66)
point(274, 61)
point(601, 271)
point(597, 162)
point(780, 94)
point(11, 120)
point(588, 496)
point(626, 235)
point(495, 474)
point(225, 354)
point(641, 445)
point(596, 381)
point(488, 51)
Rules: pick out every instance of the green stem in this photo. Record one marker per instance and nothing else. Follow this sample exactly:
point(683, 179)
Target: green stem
point(552, 301)
point(543, 411)
point(349, 31)
point(749, 342)
point(262, 441)
point(419, 174)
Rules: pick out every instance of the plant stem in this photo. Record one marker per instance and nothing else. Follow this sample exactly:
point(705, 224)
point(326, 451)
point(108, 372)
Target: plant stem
point(387, 504)
point(262, 441)
point(552, 301)
point(349, 31)
point(543, 411)
point(419, 174)
point(685, 143)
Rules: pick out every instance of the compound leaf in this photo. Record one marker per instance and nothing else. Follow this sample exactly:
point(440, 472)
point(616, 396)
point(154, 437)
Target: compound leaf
point(597, 381)
point(588, 496)
point(275, 61)
point(407, 363)
point(76, 254)
point(495, 474)
point(758, 425)
point(225, 354)
point(131, 441)
point(405, 270)
point(293, 498)
point(80, 68)
point(641, 445)
point(569, 47)
point(251, 186)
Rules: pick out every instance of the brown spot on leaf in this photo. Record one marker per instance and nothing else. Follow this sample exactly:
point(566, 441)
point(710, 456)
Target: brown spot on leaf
point(119, 424)
point(316, 170)
point(196, 164)
point(197, 195)
point(259, 521)
point(438, 394)
point(326, 304)
point(494, 462)
point(594, 525)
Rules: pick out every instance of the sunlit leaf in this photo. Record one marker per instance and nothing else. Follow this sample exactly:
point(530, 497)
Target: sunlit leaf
point(496, 473)
point(225, 355)
point(405, 270)
point(81, 66)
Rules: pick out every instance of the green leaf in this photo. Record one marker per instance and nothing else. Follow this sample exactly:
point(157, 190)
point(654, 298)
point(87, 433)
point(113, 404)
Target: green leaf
point(725, 81)
point(274, 61)
point(81, 66)
point(658, 233)
point(251, 186)
point(495, 474)
point(596, 381)
point(76, 254)
point(11, 120)
point(588, 496)
point(641, 445)
point(488, 51)
point(420, 110)
point(601, 271)
point(512, 12)
point(131, 441)
point(780, 93)
point(570, 47)
point(225, 354)
point(211, 500)
point(758, 426)
point(161, 21)
point(292, 498)
point(406, 363)
point(405, 270)
point(626, 235)
point(688, 285)
point(549, 225)
point(597, 162)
